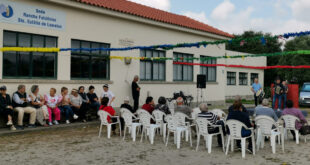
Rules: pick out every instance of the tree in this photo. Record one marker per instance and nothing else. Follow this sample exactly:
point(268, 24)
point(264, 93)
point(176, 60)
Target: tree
point(295, 75)
point(256, 47)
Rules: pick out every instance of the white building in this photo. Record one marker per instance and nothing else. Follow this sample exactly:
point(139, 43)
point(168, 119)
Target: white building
point(117, 23)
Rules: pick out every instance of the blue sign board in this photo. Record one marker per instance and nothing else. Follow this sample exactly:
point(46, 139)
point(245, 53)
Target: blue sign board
point(18, 13)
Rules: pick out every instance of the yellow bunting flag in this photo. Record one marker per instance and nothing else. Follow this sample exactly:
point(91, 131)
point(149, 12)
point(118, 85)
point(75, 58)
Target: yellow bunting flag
point(26, 49)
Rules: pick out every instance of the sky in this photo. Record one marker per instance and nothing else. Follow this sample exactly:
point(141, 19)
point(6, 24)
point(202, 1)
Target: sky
point(236, 16)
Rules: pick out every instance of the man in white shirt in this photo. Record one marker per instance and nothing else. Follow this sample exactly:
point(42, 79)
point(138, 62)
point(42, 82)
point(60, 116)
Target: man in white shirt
point(107, 93)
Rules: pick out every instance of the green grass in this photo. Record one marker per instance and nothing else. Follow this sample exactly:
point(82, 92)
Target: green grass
point(243, 101)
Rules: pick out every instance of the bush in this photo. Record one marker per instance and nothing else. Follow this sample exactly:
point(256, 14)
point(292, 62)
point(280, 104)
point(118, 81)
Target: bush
point(267, 91)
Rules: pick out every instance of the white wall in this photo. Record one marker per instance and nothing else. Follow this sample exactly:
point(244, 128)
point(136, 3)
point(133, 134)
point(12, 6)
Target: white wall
point(244, 90)
point(91, 26)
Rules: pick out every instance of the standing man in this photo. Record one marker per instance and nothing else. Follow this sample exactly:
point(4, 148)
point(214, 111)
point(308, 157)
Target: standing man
point(255, 88)
point(135, 92)
point(109, 94)
point(278, 90)
point(284, 94)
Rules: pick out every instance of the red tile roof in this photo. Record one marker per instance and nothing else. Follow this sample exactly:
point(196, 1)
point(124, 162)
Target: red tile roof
point(132, 8)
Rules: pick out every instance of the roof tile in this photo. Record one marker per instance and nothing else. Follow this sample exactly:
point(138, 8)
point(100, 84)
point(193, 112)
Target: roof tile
point(132, 8)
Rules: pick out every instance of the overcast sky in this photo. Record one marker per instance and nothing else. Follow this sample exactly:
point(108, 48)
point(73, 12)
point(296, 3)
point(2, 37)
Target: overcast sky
point(236, 16)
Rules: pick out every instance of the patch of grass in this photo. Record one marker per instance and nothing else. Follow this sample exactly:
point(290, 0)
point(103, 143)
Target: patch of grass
point(243, 101)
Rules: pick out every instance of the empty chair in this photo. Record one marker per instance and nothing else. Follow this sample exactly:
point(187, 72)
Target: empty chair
point(203, 126)
point(235, 128)
point(159, 120)
point(267, 127)
point(132, 126)
point(104, 121)
point(148, 128)
point(290, 124)
point(183, 120)
point(174, 127)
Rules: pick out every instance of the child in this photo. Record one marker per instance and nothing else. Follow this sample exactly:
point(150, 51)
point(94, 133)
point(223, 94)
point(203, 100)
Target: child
point(52, 102)
point(104, 107)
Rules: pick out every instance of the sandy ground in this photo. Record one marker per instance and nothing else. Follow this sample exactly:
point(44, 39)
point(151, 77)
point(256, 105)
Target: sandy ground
point(81, 146)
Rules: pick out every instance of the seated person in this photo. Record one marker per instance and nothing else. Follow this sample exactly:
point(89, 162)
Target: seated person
point(214, 120)
point(290, 110)
point(149, 105)
point(127, 106)
point(162, 106)
point(265, 110)
point(238, 114)
point(182, 108)
point(237, 99)
point(65, 105)
point(93, 99)
point(6, 108)
point(52, 101)
point(76, 105)
point(20, 105)
point(104, 107)
point(86, 103)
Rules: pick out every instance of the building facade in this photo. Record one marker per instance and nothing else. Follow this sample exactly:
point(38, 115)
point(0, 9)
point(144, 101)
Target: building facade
point(85, 24)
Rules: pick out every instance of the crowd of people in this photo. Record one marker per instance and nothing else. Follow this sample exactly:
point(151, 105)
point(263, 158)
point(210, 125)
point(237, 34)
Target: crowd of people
point(47, 110)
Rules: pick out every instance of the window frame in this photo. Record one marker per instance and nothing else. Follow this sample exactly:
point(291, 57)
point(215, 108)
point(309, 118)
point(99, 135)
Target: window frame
point(90, 55)
point(187, 54)
point(229, 77)
point(152, 65)
point(253, 77)
point(243, 79)
point(213, 61)
point(17, 33)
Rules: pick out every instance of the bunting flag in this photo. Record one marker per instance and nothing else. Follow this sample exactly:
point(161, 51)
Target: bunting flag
point(240, 40)
point(248, 67)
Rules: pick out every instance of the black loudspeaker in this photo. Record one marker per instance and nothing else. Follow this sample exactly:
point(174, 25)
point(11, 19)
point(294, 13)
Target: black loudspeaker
point(201, 81)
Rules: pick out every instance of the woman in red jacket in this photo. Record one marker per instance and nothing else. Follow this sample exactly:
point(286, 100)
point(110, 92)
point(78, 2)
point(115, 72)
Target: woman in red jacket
point(149, 105)
point(104, 107)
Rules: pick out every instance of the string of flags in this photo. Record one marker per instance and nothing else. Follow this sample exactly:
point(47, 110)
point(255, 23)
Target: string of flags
point(241, 41)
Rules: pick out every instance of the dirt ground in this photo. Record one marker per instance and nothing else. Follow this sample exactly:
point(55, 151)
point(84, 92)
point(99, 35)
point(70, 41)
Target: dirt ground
point(82, 146)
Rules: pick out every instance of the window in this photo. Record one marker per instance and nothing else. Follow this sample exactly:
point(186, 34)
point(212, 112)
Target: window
point(87, 64)
point(253, 76)
point(151, 69)
point(210, 72)
point(29, 64)
point(182, 72)
point(231, 78)
point(243, 78)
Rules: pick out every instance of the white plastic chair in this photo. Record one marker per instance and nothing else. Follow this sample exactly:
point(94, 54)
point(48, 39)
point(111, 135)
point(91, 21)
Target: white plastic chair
point(203, 126)
point(235, 128)
point(132, 126)
point(220, 113)
point(290, 124)
point(195, 113)
point(173, 126)
point(265, 128)
point(181, 119)
point(159, 120)
point(104, 121)
point(148, 128)
point(171, 106)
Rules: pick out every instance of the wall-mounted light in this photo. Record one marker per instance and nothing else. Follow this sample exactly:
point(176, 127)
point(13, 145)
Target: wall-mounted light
point(127, 60)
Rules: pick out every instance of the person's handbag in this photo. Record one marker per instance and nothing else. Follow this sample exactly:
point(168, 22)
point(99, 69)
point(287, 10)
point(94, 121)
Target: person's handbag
point(305, 130)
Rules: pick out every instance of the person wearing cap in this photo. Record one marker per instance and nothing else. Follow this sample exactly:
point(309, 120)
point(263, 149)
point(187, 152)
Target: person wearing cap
point(109, 94)
point(6, 108)
point(135, 89)
point(20, 105)
point(37, 102)
point(127, 106)
point(76, 105)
